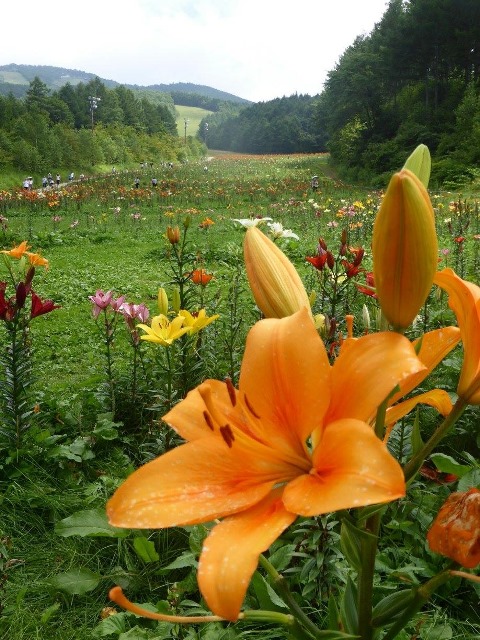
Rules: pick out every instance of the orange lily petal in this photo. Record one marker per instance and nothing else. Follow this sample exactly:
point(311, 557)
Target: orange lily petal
point(367, 371)
point(18, 251)
point(196, 482)
point(437, 398)
point(187, 417)
point(230, 553)
point(352, 468)
point(434, 346)
point(285, 376)
point(464, 300)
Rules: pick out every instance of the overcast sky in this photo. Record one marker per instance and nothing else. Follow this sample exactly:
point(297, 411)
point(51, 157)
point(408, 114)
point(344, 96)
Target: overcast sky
point(255, 49)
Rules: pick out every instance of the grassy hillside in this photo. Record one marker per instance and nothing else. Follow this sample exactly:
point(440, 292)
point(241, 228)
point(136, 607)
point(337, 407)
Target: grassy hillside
point(193, 115)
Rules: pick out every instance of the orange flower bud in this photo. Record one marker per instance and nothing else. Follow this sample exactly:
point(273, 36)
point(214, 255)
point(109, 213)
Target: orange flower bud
point(275, 284)
point(455, 532)
point(173, 235)
point(404, 249)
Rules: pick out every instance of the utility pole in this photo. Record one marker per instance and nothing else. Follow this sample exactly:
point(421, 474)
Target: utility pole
point(93, 101)
point(186, 121)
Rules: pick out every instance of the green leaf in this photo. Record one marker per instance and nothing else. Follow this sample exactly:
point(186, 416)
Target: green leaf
point(90, 523)
point(447, 464)
point(266, 596)
point(49, 612)
point(349, 611)
point(470, 480)
point(145, 549)
point(281, 558)
point(416, 438)
point(112, 625)
point(390, 607)
point(333, 614)
point(187, 559)
point(76, 581)
point(350, 544)
point(136, 633)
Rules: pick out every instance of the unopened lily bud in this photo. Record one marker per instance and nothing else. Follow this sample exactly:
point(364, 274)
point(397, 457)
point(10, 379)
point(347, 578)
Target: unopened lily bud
point(186, 222)
point(420, 163)
point(173, 235)
point(343, 238)
point(20, 294)
point(312, 297)
point(176, 303)
point(275, 284)
point(366, 318)
point(162, 301)
point(404, 249)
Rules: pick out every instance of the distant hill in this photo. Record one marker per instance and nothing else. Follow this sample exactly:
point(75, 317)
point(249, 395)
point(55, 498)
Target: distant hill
point(15, 78)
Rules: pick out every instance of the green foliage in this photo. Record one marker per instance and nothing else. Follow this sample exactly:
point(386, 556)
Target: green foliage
point(54, 489)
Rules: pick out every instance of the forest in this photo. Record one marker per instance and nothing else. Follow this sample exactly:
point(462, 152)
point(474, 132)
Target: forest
point(85, 126)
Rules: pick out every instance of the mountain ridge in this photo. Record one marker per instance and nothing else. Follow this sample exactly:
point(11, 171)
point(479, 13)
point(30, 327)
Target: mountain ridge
point(15, 78)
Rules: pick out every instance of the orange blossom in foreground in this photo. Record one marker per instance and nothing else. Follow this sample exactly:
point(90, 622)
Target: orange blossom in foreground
point(250, 458)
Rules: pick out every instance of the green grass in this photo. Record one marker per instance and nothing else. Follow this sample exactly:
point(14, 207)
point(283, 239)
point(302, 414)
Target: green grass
point(193, 116)
point(74, 457)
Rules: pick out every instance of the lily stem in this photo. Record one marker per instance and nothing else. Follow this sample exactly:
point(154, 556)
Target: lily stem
point(283, 589)
point(366, 574)
point(414, 464)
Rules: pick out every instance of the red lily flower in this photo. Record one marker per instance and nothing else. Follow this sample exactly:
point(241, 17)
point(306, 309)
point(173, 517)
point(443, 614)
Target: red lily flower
point(39, 308)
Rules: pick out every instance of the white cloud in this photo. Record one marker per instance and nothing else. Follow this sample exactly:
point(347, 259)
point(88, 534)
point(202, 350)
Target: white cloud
point(256, 49)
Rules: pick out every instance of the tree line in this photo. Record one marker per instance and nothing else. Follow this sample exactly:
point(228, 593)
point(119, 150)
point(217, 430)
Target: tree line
point(86, 125)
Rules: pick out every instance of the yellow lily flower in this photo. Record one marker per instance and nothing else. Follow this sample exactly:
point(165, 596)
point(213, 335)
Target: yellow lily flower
point(405, 249)
point(162, 331)
point(464, 300)
point(274, 281)
point(197, 322)
point(249, 457)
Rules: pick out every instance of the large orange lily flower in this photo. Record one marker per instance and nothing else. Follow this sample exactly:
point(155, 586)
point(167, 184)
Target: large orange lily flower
point(464, 300)
point(249, 456)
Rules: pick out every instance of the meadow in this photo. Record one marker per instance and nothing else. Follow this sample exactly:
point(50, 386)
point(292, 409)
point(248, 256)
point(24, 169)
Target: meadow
point(97, 392)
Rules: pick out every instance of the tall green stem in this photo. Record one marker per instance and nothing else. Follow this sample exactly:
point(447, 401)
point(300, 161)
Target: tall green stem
point(416, 462)
point(282, 587)
point(365, 578)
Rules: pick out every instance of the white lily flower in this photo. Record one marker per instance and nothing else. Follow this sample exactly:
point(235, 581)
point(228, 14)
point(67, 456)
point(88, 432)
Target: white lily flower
point(277, 231)
point(251, 222)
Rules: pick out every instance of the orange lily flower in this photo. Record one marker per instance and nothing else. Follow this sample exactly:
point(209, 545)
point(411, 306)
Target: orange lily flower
point(17, 252)
point(200, 276)
point(276, 286)
point(464, 300)
point(37, 260)
point(250, 455)
point(455, 532)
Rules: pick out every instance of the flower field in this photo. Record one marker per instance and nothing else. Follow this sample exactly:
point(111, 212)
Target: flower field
point(345, 323)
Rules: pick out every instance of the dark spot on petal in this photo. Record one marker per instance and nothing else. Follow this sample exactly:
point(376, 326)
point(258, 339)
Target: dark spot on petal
point(231, 391)
point(227, 435)
point(208, 420)
point(250, 408)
